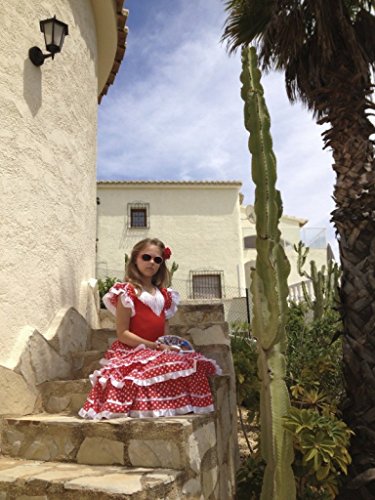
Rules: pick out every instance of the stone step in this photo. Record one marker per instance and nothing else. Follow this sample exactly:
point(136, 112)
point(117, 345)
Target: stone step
point(64, 396)
point(86, 362)
point(35, 480)
point(101, 339)
point(181, 443)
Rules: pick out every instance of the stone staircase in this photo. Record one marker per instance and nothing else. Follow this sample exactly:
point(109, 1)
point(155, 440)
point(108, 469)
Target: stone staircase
point(56, 455)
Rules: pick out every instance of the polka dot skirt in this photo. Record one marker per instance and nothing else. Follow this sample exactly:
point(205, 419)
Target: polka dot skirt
point(143, 382)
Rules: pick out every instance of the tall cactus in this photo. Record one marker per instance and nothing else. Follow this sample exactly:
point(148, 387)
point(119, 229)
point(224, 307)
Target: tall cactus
point(269, 289)
point(325, 283)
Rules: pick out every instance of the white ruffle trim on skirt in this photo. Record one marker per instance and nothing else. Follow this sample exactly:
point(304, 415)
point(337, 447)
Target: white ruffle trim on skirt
point(97, 375)
point(92, 414)
point(119, 384)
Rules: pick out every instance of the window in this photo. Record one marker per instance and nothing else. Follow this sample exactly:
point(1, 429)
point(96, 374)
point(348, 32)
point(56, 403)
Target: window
point(206, 285)
point(138, 215)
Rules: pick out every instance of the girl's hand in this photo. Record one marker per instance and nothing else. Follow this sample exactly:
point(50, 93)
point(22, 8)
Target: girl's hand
point(164, 347)
point(161, 347)
point(174, 348)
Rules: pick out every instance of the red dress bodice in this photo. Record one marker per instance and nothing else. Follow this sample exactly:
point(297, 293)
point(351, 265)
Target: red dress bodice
point(145, 322)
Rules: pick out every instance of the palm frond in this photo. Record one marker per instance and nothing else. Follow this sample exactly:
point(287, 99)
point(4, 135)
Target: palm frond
point(246, 21)
point(305, 38)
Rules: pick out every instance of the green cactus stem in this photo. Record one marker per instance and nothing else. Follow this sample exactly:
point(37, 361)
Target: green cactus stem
point(269, 289)
point(172, 270)
point(325, 283)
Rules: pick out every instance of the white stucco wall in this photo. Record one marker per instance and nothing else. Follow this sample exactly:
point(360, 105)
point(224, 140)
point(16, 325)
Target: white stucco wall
point(48, 127)
point(200, 222)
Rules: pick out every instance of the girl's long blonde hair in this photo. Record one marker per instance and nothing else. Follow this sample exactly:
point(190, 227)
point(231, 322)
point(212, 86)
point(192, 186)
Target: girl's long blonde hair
point(160, 279)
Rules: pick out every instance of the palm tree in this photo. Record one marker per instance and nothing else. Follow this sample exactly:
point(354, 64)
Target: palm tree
point(327, 50)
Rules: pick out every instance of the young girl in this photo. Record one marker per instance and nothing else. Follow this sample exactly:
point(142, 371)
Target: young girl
point(142, 377)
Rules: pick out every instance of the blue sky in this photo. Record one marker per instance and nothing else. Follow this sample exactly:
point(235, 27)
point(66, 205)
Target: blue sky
point(175, 112)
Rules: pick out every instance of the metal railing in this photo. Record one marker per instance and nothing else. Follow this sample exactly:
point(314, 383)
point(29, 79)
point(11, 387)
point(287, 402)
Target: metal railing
point(296, 291)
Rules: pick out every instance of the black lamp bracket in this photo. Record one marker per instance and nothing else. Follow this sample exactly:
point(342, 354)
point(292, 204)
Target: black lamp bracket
point(37, 57)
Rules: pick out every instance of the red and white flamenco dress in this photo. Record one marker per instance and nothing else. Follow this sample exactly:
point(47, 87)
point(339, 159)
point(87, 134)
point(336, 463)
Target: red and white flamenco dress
point(143, 382)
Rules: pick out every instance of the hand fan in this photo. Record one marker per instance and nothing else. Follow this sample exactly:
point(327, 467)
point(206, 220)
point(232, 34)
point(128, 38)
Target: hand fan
point(175, 340)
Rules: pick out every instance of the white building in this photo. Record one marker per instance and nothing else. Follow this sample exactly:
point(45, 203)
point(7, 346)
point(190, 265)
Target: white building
point(199, 221)
point(211, 234)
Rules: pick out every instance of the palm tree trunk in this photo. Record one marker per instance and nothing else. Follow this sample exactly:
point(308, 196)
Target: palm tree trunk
point(354, 219)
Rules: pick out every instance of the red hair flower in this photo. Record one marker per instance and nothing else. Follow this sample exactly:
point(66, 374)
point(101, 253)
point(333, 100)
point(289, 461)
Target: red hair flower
point(167, 253)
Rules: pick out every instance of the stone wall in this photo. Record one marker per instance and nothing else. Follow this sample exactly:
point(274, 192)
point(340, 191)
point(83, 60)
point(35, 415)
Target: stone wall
point(43, 358)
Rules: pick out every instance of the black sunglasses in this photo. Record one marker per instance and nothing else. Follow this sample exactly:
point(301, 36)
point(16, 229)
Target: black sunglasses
point(146, 257)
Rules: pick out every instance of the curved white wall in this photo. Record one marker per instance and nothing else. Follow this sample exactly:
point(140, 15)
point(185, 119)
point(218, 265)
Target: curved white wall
point(48, 127)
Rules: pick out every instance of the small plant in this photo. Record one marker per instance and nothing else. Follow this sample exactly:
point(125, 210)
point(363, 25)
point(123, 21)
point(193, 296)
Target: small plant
point(172, 270)
point(240, 329)
point(321, 452)
point(104, 285)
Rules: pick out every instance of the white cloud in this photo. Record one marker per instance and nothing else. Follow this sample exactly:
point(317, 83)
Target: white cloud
point(175, 112)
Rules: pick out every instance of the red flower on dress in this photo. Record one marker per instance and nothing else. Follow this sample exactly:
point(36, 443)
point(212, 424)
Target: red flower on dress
point(167, 253)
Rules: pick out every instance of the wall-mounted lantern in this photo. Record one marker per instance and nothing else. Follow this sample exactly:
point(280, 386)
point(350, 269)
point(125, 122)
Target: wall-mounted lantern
point(54, 33)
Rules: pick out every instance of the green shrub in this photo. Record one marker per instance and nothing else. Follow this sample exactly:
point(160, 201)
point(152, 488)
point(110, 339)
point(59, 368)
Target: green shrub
point(244, 352)
point(315, 382)
point(314, 363)
point(321, 452)
point(104, 285)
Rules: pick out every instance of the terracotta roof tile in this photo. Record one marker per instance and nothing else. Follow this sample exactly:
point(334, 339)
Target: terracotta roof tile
point(122, 33)
point(177, 183)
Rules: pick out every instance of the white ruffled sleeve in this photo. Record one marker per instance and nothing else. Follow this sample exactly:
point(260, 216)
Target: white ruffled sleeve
point(175, 296)
point(122, 291)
